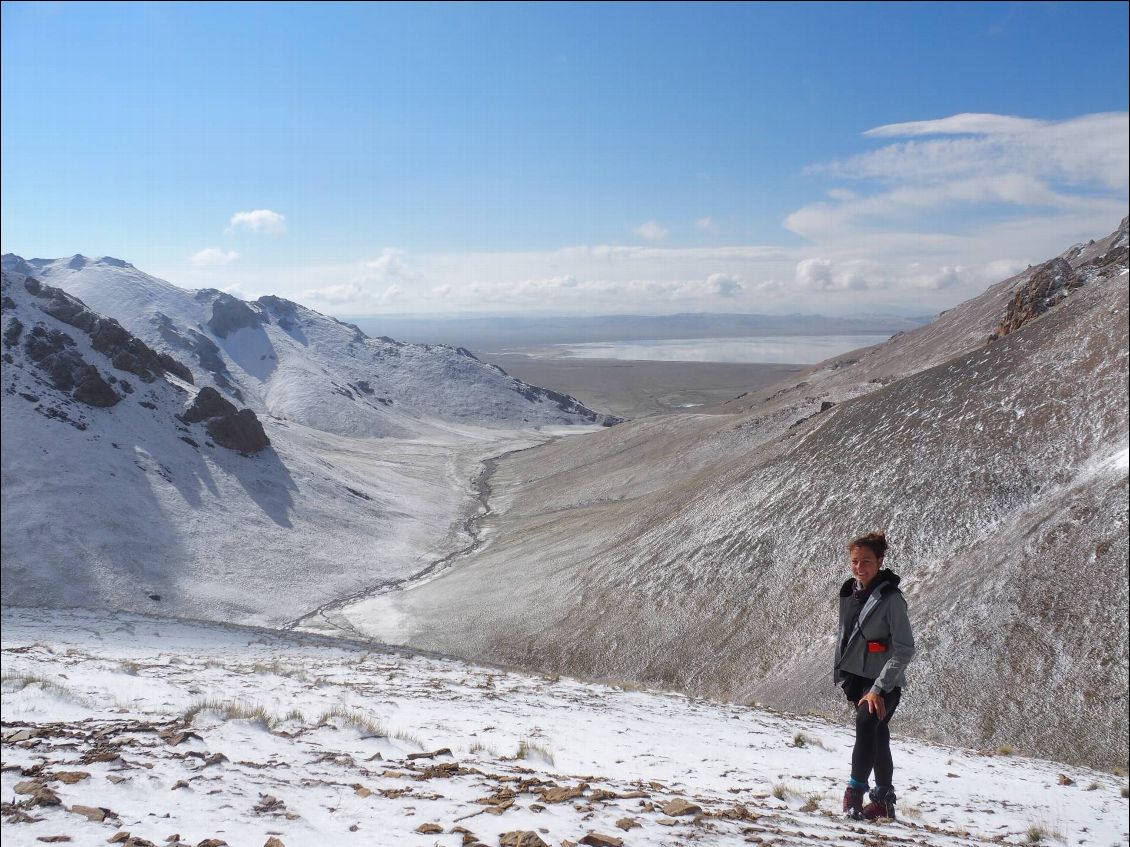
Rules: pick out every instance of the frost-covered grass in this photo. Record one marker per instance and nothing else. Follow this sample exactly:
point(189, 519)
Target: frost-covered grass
point(357, 758)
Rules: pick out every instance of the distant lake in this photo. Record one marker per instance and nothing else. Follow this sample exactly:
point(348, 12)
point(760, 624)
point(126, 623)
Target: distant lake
point(770, 349)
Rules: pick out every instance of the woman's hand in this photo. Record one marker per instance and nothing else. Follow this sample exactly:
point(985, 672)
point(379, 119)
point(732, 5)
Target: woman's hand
point(875, 705)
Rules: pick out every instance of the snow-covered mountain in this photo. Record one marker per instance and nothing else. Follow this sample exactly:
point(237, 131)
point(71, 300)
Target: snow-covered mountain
point(129, 482)
point(703, 552)
point(283, 359)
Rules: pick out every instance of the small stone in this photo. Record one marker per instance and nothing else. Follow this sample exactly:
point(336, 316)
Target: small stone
point(212, 842)
point(429, 828)
point(679, 806)
point(28, 786)
point(180, 783)
point(53, 839)
point(666, 821)
point(92, 813)
point(215, 759)
point(443, 751)
point(71, 777)
point(627, 823)
point(521, 838)
point(1064, 779)
point(596, 839)
point(273, 841)
point(361, 790)
point(562, 795)
point(45, 797)
point(122, 835)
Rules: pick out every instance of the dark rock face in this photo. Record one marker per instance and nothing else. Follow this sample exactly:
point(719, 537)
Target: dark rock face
point(230, 314)
point(12, 332)
point(175, 368)
point(93, 390)
point(125, 351)
point(53, 352)
point(1049, 284)
point(209, 403)
point(241, 431)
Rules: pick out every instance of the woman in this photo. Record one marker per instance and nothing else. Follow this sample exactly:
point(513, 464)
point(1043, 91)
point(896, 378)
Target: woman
point(875, 645)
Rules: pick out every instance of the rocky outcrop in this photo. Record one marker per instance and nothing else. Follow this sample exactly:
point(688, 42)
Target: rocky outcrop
point(207, 404)
point(231, 428)
point(241, 431)
point(202, 347)
point(54, 352)
point(126, 351)
point(1048, 284)
point(230, 314)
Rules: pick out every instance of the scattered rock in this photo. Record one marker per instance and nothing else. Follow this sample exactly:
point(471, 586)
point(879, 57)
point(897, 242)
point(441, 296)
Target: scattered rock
point(679, 806)
point(596, 839)
point(443, 751)
point(1064, 779)
point(273, 841)
point(563, 794)
point(92, 813)
point(53, 839)
point(627, 823)
point(520, 838)
point(70, 777)
point(429, 828)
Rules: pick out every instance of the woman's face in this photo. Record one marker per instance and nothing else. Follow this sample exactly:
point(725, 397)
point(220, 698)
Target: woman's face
point(864, 564)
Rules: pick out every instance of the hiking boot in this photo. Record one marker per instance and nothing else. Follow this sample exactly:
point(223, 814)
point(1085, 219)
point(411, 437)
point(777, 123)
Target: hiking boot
point(853, 801)
point(882, 804)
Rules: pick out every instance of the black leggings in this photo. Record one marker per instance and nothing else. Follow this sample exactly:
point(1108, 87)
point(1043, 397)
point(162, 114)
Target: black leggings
point(873, 739)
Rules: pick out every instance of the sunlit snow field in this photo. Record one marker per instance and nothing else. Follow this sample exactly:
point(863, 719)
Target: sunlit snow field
point(172, 728)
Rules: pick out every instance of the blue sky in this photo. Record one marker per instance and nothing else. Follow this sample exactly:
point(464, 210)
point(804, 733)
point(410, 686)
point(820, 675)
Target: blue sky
point(566, 158)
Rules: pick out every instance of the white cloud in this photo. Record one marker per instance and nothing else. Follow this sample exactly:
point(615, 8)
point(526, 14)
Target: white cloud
point(651, 231)
point(724, 285)
point(213, 256)
point(968, 123)
point(706, 224)
point(260, 220)
point(335, 295)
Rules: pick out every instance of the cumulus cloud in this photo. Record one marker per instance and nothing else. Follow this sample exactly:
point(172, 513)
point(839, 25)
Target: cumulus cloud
point(260, 220)
point(652, 231)
point(823, 274)
point(213, 256)
point(706, 224)
point(724, 285)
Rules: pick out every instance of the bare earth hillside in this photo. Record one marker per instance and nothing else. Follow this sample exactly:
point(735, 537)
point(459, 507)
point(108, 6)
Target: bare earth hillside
point(703, 552)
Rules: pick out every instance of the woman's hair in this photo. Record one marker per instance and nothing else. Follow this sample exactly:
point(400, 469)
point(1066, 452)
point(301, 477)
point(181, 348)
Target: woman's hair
point(875, 541)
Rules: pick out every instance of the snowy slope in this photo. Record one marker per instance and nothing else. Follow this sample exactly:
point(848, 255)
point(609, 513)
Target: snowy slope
point(128, 507)
point(283, 359)
point(174, 732)
point(704, 552)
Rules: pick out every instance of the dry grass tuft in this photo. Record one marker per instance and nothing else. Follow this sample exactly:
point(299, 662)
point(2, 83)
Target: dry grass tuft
point(533, 750)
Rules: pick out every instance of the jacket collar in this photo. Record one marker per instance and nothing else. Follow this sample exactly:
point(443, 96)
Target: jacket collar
point(879, 586)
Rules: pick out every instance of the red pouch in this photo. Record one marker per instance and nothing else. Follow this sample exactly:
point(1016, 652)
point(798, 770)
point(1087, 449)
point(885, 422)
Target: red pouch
point(876, 646)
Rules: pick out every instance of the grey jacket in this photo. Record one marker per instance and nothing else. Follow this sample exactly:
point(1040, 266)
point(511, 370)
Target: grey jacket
point(883, 621)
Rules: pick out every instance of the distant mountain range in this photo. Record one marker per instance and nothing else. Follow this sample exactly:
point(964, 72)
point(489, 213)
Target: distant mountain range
point(704, 552)
point(494, 333)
